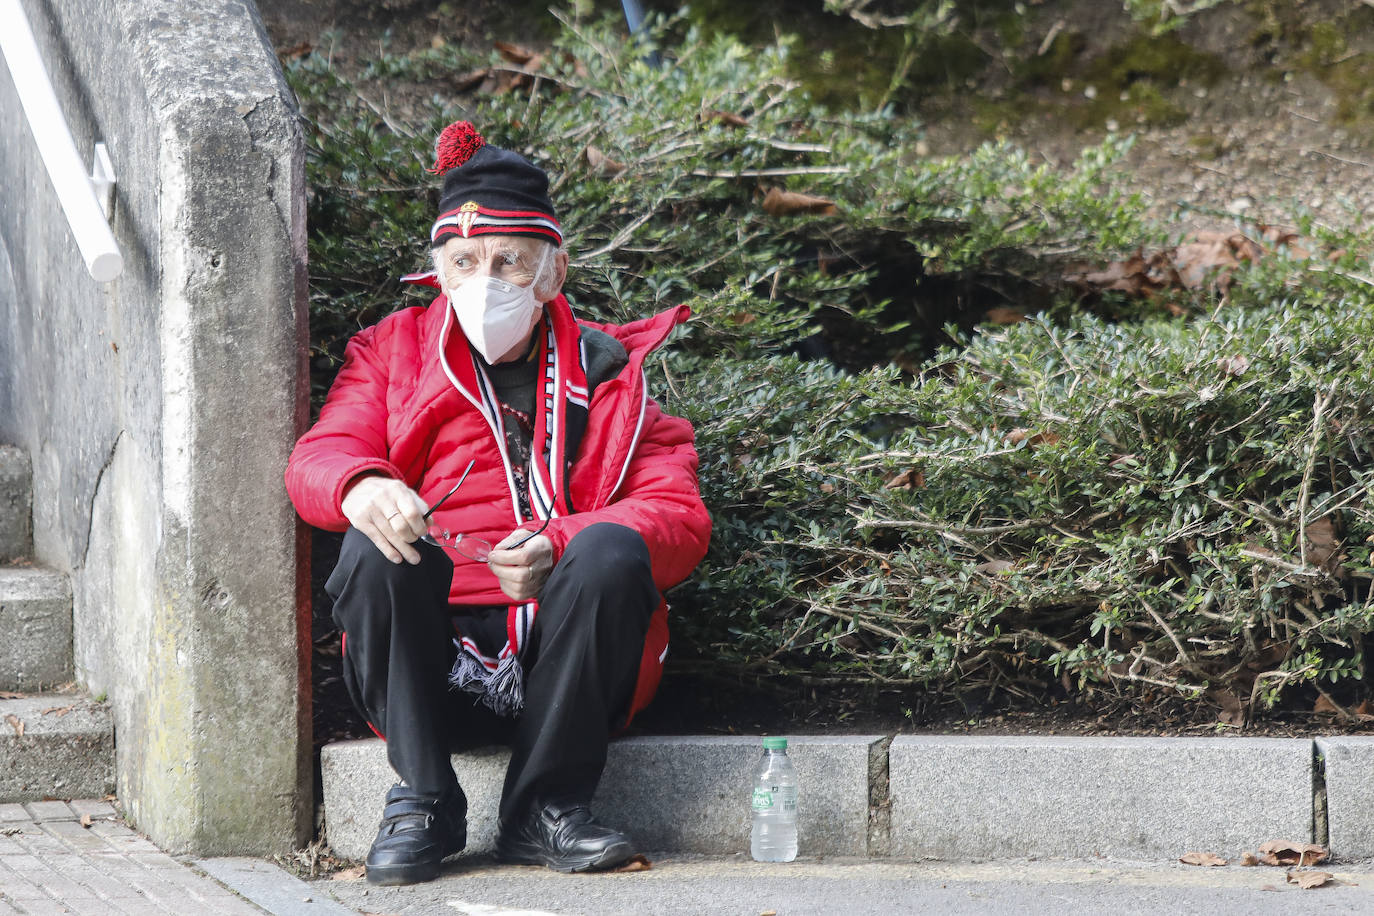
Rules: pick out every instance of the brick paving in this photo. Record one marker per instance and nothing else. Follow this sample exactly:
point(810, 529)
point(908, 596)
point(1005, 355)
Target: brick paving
point(80, 858)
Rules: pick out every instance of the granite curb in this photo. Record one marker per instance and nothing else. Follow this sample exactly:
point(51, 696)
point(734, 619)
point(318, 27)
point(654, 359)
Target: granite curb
point(938, 797)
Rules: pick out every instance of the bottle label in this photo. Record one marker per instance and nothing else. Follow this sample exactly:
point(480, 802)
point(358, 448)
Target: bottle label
point(784, 797)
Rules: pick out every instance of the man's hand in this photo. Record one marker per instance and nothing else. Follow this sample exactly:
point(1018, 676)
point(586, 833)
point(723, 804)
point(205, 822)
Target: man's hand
point(522, 572)
point(388, 512)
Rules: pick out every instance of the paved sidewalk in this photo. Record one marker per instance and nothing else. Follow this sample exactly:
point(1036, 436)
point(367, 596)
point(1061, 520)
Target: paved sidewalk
point(79, 857)
point(686, 885)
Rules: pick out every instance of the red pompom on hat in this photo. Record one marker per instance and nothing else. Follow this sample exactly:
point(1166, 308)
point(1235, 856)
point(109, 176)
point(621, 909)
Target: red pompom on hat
point(455, 145)
point(489, 191)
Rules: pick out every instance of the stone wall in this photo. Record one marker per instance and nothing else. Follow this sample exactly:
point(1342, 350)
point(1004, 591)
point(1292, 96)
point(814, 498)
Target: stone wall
point(159, 409)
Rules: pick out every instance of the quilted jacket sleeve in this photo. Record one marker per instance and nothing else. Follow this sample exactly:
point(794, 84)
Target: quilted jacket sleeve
point(658, 498)
point(348, 439)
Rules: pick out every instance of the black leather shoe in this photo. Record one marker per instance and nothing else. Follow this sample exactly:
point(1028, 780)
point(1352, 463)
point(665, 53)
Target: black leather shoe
point(565, 837)
point(418, 831)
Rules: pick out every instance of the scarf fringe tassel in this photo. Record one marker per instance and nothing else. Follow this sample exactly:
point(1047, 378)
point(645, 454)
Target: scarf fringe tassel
point(502, 691)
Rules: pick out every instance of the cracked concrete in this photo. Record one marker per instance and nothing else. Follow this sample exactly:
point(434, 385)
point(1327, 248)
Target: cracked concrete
point(159, 409)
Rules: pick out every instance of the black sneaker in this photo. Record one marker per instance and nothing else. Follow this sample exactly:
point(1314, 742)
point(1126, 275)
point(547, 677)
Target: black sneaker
point(418, 832)
point(565, 837)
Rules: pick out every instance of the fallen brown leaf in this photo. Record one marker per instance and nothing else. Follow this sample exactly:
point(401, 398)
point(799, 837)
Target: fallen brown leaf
point(1248, 859)
point(516, 54)
point(1210, 257)
point(1285, 237)
point(778, 202)
point(59, 711)
point(1132, 275)
point(1323, 704)
point(726, 117)
point(295, 52)
point(1004, 315)
point(1323, 544)
point(602, 164)
point(1232, 709)
point(907, 480)
point(1309, 879)
point(1286, 852)
point(472, 79)
point(1277, 235)
point(16, 723)
point(1032, 440)
point(11, 695)
point(635, 862)
point(1233, 365)
point(1205, 260)
point(1208, 859)
point(1364, 710)
point(349, 874)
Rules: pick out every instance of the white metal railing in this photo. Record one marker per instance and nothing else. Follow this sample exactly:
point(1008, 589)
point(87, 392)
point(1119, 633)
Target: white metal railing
point(76, 189)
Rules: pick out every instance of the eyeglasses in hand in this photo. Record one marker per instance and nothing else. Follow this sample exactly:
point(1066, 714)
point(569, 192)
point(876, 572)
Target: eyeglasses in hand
point(466, 545)
point(475, 548)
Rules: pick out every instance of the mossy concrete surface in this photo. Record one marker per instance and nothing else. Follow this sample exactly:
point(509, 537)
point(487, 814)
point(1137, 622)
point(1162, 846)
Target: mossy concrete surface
point(159, 409)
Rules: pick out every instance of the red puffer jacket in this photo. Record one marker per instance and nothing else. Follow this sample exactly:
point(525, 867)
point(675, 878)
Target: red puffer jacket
point(395, 410)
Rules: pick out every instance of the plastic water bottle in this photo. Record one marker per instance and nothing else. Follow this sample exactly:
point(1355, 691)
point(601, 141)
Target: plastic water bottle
point(774, 834)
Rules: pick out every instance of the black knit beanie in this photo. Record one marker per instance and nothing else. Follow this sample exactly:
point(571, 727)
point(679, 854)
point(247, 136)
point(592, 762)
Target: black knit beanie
point(489, 191)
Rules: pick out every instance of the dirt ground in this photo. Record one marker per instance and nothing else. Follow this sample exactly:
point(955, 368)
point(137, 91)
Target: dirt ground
point(1258, 143)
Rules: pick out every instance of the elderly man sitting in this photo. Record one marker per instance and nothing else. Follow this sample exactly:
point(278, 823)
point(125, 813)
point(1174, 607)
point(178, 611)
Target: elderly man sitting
point(515, 503)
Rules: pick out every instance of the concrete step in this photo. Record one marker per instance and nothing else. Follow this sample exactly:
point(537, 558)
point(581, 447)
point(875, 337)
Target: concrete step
point(916, 797)
point(36, 623)
point(55, 745)
point(16, 504)
point(672, 794)
point(961, 796)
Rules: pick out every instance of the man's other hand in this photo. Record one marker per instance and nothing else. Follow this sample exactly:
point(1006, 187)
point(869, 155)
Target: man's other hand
point(522, 571)
point(390, 513)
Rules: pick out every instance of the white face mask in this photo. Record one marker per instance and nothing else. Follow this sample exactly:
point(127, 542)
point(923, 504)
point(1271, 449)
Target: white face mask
point(495, 315)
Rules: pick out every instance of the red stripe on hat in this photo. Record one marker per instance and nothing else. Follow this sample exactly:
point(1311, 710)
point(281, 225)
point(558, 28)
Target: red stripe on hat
point(516, 229)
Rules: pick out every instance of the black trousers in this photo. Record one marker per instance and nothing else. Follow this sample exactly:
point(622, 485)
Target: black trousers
point(580, 664)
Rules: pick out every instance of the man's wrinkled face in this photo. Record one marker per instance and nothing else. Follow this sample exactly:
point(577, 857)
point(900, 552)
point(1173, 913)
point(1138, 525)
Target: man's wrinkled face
point(512, 258)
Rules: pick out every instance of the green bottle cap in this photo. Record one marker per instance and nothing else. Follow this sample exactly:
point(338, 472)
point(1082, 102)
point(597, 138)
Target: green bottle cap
point(775, 744)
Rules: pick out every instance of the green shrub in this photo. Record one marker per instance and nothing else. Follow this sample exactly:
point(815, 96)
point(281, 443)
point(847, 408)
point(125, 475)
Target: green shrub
point(1184, 505)
point(1178, 502)
point(681, 218)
